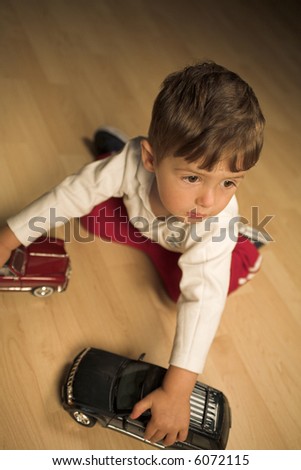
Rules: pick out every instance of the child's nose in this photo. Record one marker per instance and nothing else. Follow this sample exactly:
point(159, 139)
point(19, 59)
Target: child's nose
point(206, 198)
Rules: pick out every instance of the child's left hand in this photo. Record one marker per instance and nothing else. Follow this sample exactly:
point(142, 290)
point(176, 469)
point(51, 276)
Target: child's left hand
point(170, 407)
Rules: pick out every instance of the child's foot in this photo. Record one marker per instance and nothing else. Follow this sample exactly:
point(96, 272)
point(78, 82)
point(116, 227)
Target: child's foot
point(108, 140)
point(254, 235)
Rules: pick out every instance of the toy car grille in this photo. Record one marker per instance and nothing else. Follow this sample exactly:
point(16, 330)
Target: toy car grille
point(204, 408)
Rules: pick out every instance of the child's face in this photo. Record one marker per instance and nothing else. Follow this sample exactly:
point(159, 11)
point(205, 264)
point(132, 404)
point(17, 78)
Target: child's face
point(184, 190)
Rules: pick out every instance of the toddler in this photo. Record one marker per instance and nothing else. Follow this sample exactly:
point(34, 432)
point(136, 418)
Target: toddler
point(178, 188)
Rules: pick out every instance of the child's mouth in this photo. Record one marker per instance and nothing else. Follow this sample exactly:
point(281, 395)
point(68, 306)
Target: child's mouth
point(195, 215)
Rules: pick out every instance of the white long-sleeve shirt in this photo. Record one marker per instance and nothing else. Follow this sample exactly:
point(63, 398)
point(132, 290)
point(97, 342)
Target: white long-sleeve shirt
point(206, 246)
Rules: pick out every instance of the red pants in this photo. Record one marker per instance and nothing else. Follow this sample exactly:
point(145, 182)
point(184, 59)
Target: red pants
point(109, 220)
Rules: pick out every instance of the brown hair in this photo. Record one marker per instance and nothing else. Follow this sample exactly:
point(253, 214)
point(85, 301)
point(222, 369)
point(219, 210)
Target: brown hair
point(207, 112)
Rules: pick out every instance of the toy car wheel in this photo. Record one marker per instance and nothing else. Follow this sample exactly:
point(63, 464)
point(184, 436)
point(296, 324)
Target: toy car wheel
point(83, 418)
point(43, 291)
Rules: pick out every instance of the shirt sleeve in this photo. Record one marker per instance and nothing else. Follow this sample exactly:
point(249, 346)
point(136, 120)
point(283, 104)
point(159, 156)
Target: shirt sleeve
point(204, 286)
point(75, 196)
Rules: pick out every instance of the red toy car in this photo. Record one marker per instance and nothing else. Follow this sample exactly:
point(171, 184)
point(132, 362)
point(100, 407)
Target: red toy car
point(42, 268)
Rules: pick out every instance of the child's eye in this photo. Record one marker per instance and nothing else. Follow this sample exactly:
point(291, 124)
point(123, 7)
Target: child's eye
point(191, 179)
point(228, 184)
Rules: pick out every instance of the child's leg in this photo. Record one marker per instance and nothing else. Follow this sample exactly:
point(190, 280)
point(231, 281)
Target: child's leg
point(246, 261)
point(110, 222)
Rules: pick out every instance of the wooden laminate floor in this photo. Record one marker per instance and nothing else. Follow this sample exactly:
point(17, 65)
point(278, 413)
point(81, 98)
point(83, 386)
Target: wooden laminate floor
point(67, 67)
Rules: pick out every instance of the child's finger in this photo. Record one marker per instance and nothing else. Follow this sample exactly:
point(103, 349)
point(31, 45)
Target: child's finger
point(140, 407)
point(170, 439)
point(182, 435)
point(154, 435)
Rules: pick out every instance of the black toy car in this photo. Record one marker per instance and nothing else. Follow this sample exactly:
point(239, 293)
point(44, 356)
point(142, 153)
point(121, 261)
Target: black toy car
point(102, 386)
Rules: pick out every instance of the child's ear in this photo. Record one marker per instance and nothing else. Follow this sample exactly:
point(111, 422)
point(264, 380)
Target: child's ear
point(147, 156)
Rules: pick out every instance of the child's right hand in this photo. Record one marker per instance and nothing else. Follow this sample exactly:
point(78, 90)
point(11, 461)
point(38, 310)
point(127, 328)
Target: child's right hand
point(169, 406)
point(8, 243)
point(169, 416)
